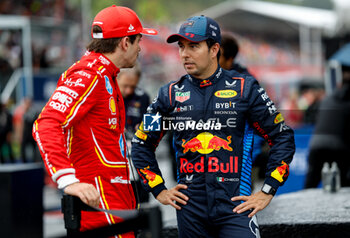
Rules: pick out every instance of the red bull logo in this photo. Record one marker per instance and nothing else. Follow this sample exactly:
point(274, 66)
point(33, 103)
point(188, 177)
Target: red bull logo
point(214, 165)
point(192, 145)
point(206, 143)
point(152, 178)
point(281, 172)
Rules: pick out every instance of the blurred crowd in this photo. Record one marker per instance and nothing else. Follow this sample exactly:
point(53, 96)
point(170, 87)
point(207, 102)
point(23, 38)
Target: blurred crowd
point(57, 9)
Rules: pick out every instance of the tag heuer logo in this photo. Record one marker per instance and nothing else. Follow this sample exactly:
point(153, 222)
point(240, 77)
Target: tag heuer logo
point(182, 96)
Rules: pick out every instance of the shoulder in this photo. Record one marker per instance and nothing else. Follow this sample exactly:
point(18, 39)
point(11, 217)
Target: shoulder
point(141, 94)
point(247, 79)
point(173, 85)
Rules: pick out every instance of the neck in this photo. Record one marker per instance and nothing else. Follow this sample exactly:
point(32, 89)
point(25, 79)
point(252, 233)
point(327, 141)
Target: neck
point(211, 69)
point(113, 58)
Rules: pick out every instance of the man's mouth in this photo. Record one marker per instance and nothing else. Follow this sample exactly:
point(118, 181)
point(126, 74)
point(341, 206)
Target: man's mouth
point(188, 64)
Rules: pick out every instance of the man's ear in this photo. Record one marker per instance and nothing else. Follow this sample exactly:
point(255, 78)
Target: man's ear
point(215, 49)
point(124, 43)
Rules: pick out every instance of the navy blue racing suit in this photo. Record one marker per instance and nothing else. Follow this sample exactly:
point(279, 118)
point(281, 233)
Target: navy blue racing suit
point(212, 122)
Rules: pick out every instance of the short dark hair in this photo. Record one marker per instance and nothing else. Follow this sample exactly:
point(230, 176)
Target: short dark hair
point(105, 45)
point(229, 45)
point(210, 43)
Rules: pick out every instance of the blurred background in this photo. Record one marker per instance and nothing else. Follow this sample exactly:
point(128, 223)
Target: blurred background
point(286, 44)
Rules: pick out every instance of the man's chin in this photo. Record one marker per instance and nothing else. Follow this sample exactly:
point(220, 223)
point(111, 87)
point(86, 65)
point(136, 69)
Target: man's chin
point(190, 70)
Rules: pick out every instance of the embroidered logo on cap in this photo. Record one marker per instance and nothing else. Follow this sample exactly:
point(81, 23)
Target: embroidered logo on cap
point(131, 28)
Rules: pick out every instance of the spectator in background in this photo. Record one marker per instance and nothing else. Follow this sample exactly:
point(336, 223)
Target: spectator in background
point(136, 102)
point(331, 139)
point(29, 150)
point(5, 135)
point(229, 50)
point(18, 124)
point(5, 73)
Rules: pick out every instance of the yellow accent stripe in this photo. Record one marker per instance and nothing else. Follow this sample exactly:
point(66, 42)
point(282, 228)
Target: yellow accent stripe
point(54, 169)
point(101, 67)
point(80, 99)
point(70, 141)
point(104, 199)
point(108, 165)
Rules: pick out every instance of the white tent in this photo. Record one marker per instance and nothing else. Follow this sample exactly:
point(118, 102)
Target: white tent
point(303, 25)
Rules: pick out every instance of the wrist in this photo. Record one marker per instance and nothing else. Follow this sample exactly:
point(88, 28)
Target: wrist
point(268, 189)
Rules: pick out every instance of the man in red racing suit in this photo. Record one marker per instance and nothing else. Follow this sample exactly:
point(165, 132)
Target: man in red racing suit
point(80, 130)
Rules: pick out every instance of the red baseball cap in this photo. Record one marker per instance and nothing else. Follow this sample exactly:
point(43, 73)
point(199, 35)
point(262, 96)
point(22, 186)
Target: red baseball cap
point(116, 21)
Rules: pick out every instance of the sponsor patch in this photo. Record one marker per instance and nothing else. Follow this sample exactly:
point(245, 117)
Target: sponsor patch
point(281, 172)
point(182, 96)
point(112, 106)
point(58, 106)
point(69, 91)
point(119, 179)
point(279, 118)
point(230, 85)
point(141, 135)
point(103, 60)
point(150, 177)
point(222, 179)
point(76, 83)
point(225, 93)
point(108, 85)
point(131, 28)
point(62, 98)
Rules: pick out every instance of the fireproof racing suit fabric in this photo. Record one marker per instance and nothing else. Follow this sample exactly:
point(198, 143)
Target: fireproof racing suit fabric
point(80, 136)
point(212, 122)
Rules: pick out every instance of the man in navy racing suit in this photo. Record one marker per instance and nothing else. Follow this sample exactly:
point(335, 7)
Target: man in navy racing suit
point(212, 113)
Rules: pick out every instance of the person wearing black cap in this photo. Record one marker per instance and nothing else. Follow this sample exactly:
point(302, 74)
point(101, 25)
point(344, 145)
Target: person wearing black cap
point(212, 113)
point(80, 131)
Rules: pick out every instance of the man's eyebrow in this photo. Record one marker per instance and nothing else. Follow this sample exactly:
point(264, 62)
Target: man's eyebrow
point(191, 43)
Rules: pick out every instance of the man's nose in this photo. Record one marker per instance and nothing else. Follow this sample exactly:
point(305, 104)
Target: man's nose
point(184, 53)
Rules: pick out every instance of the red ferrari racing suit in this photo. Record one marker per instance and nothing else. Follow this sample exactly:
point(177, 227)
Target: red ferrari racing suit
point(80, 136)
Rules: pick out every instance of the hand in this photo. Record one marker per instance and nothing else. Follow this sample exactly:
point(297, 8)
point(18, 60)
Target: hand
point(169, 197)
point(85, 191)
point(257, 201)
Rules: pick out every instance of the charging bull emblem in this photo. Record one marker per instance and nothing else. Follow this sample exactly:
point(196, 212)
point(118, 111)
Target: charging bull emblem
point(150, 177)
point(206, 143)
point(281, 172)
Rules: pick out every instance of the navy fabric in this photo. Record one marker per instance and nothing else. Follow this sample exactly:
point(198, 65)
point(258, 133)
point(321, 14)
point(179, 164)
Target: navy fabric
point(197, 29)
point(214, 162)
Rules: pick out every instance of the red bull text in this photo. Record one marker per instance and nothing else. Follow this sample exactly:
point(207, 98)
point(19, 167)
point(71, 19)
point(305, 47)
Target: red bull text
point(214, 165)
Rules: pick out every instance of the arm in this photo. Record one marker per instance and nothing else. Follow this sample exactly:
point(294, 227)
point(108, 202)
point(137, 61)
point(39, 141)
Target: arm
point(144, 145)
point(269, 124)
point(67, 105)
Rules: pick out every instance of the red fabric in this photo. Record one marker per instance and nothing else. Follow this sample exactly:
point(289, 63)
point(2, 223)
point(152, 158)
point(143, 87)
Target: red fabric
point(80, 132)
point(117, 21)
